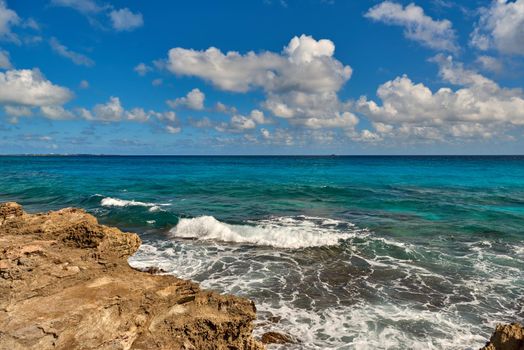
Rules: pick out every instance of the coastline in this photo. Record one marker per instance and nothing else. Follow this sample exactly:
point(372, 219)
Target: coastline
point(65, 283)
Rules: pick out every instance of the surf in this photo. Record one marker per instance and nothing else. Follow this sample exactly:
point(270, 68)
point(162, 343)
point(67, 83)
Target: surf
point(279, 232)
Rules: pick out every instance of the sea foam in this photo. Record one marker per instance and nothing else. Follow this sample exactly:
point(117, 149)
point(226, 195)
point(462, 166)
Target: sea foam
point(280, 232)
point(117, 202)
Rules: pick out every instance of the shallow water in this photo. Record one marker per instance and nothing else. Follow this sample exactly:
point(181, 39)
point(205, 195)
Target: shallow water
point(339, 252)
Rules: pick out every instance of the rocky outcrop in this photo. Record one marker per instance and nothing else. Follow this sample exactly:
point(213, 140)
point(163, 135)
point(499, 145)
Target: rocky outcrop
point(506, 337)
point(65, 284)
point(276, 338)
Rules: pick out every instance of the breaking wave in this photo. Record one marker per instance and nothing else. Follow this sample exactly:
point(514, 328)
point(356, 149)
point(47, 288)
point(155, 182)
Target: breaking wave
point(280, 232)
point(117, 202)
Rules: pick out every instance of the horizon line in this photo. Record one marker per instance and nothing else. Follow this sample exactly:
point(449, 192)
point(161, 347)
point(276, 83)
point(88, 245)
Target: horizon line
point(249, 155)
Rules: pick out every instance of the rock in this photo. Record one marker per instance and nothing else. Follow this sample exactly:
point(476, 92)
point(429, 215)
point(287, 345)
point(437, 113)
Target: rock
point(506, 337)
point(276, 338)
point(65, 284)
point(10, 209)
point(154, 270)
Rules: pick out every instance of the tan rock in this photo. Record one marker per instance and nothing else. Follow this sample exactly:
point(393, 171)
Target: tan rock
point(506, 337)
point(276, 338)
point(65, 284)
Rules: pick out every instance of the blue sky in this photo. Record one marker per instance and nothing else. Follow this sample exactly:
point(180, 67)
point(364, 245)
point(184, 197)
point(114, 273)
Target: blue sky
point(262, 77)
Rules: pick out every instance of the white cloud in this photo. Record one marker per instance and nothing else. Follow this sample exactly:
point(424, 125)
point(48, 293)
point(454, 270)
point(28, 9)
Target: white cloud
point(305, 64)
point(435, 34)
point(300, 83)
point(489, 63)
point(265, 133)
point(142, 69)
point(173, 129)
point(346, 120)
point(223, 108)
point(480, 107)
point(193, 100)
point(18, 111)
point(501, 27)
point(240, 122)
point(56, 113)
point(113, 111)
point(201, 123)
point(84, 84)
point(278, 137)
point(121, 20)
point(237, 122)
point(31, 23)
point(75, 57)
point(258, 117)
point(138, 115)
point(125, 20)
point(5, 62)
point(82, 6)
point(31, 88)
point(8, 18)
point(169, 117)
point(311, 110)
point(157, 82)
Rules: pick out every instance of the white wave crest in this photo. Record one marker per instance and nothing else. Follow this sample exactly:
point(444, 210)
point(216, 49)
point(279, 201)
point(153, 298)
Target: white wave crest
point(287, 232)
point(117, 202)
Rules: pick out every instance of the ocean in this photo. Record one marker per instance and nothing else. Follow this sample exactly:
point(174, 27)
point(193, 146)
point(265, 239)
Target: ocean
point(423, 252)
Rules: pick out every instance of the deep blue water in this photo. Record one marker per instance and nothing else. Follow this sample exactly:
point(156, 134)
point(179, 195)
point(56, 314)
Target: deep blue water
point(350, 252)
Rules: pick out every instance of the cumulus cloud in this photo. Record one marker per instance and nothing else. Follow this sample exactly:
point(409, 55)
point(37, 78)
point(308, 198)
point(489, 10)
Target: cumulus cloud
point(125, 20)
point(305, 64)
point(480, 107)
point(311, 110)
point(223, 108)
point(5, 62)
point(8, 19)
point(114, 111)
point(110, 111)
point(18, 111)
point(56, 113)
point(300, 83)
point(75, 57)
point(501, 27)
point(193, 100)
point(30, 88)
point(240, 122)
point(237, 122)
point(138, 115)
point(258, 117)
point(84, 84)
point(435, 34)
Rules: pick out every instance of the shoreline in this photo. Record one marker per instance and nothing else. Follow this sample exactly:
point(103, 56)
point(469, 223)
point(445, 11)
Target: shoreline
point(65, 283)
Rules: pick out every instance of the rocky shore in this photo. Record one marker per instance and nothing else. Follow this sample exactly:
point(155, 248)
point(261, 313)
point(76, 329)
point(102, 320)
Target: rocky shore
point(65, 284)
point(506, 337)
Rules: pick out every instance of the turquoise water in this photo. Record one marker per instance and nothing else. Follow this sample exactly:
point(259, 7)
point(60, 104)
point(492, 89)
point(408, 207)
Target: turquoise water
point(339, 252)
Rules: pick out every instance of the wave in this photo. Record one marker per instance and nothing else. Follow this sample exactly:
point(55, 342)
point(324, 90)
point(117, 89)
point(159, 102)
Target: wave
point(117, 202)
point(280, 232)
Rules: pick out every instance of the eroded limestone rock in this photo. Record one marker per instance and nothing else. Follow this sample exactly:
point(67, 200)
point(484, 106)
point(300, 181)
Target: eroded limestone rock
point(506, 337)
point(65, 284)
